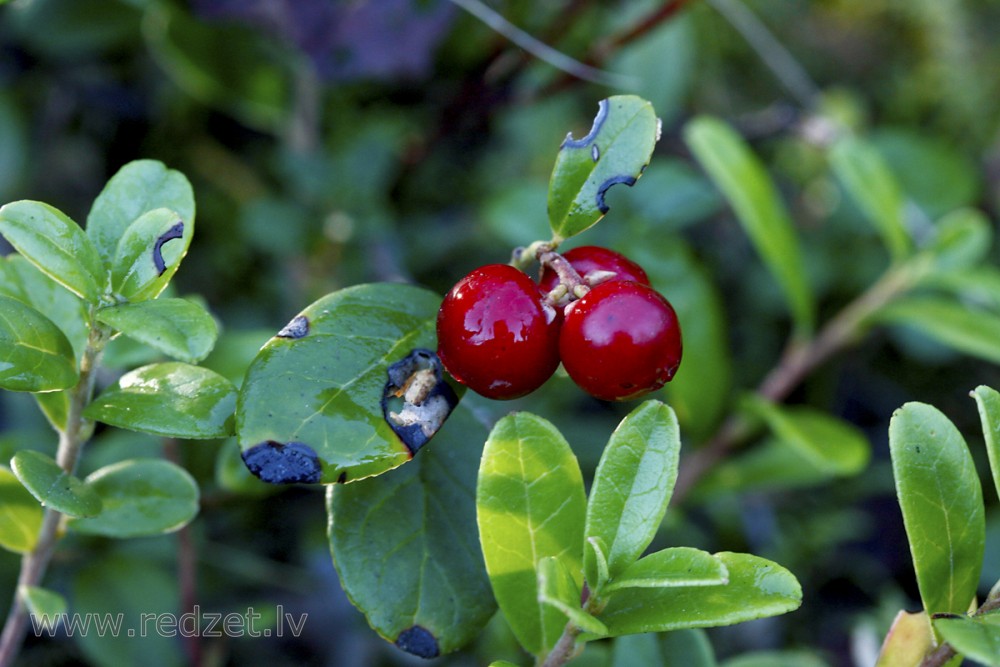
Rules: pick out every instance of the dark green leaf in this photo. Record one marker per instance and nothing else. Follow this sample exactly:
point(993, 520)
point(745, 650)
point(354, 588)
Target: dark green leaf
point(148, 254)
point(530, 504)
point(970, 331)
point(632, 486)
point(177, 327)
point(757, 588)
point(56, 245)
point(776, 659)
point(687, 648)
point(138, 188)
point(988, 401)
point(558, 589)
point(140, 497)
point(829, 445)
point(20, 515)
point(675, 566)
point(406, 546)
point(34, 354)
point(172, 399)
point(23, 281)
point(870, 182)
point(52, 486)
point(755, 200)
point(320, 382)
point(130, 588)
point(909, 639)
point(633, 650)
point(976, 638)
point(942, 505)
point(616, 150)
point(961, 239)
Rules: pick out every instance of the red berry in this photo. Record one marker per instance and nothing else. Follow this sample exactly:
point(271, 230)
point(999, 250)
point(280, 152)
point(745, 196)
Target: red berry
point(620, 341)
point(588, 259)
point(496, 335)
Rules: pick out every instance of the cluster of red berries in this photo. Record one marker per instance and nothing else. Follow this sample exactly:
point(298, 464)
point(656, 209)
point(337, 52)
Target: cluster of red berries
point(502, 334)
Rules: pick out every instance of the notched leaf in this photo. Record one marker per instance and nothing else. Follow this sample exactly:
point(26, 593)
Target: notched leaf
point(602, 115)
point(419, 642)
point(283, 463)
point(423, 398)
point(297, 328)
point(175, 232)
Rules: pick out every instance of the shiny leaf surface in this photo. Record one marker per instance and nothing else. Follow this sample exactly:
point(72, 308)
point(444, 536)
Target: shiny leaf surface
point(52, 486)
point(34, 354)
point(177, 327)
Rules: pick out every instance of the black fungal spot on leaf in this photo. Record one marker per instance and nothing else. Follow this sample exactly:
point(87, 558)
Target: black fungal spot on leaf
point(416, 386)
point(419, 642)
point(175, 232)
point(602, 115)
point(614, 180)
point(297, 328)
point(283, 463)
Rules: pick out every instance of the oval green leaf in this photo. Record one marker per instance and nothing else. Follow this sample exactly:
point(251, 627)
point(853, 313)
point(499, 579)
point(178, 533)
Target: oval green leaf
point(942, 503)
point(823, 443)
point(179, 328)
point(138, 188)
point(757, 588)
point(776, 659)
point(869, 181)
point(632, 486)
point(52, 486)
point(972, 331)
point(961, 239)
point(140, 497)
point(676, 566)
point(686, 648)
point(55, 244)
point(977, 638)
point(20, 515)
point(148, 254)
point(406, 545)
point(34, 354)
point(173, 400)
point(741, 177)
point(988, 402)
point(43, 603)
point(632, 650)
point(315, 390)
point(616, 150)
point(909, 639)
point(558, 589)
point(530, 504)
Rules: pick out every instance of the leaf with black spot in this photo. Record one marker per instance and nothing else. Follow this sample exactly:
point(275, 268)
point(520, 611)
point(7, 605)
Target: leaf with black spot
point(318, 388)
point(148, 254)
point(616, 150)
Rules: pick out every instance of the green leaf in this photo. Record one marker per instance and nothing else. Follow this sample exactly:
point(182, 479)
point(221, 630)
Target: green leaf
point(177, 327)
point(530, 504)
point(148, 254)
point(313, 396)
point(971, 331)
point(558, 589)
point(34, 354)
point(43, 603)
point(56, 245)
point(976, 286)
point(676, 566)
point(23, 281)
point(20, 515)
point(138, 188)
point(55, 406)
point(824, 443)
point(53, 486)
point(616, 150)
point(961, 239)
point(687, 648)
point(632, 650)
point(870, 182)
point(755, 200)
point(757, 588)
point(909, 639)
point(406, 545)
point(942, 505)
point(776, 659)
point(632, 486)
point(977, 638)
point(140, 497)
point(988, 402)
point(172, 399)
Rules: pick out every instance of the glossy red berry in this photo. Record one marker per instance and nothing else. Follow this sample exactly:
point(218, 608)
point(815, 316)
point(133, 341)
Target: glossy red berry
point(588, 259)
point(496, 335)
point(620, 341)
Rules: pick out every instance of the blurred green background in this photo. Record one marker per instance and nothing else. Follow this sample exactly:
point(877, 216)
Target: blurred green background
point(335, 142)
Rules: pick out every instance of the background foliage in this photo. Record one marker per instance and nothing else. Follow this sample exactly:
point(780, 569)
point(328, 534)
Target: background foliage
point(334, 143)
